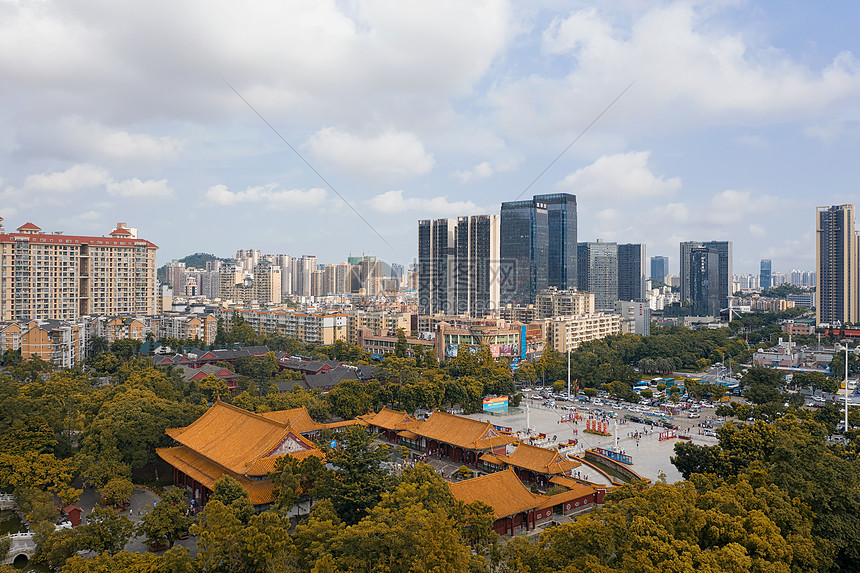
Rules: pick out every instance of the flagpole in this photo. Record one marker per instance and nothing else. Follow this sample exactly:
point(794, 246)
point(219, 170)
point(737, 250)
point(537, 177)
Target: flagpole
point(568, 373)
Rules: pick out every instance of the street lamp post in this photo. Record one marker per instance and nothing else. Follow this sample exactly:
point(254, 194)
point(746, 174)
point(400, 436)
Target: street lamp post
point(568, 372)
point(845, 427)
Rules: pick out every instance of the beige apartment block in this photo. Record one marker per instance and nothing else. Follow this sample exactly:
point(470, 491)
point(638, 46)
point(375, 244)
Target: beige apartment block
point(307, 327)
point(61, 343)
point(565, 333)
point(569, 302)
point(381, 322)
point(113, 328)
point(63, 277)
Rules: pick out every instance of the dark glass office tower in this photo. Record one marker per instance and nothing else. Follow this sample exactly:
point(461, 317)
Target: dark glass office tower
point(598, 264)
point(764, 277)
point(724, 250)
point(631, 271)
point(659, 268)
point(562, 245)
point(705, 295)
point(524, 235)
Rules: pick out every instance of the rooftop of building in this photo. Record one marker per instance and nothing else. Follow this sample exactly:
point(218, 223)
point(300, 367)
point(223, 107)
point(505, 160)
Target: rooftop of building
point(503, 491)
point(236, 439)
point(459, 431)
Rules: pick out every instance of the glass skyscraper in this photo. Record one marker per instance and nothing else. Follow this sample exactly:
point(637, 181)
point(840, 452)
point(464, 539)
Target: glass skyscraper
point(705, 297)
point(524, 237)
point(598, 264)
point(538, 246)
point(722, 288)
point(659, 268)
point(631, 271)
point(764, 278)
point(562, 245)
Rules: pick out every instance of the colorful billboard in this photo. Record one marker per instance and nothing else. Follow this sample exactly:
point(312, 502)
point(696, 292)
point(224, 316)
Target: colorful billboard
point(507, 350)
point(499, 404)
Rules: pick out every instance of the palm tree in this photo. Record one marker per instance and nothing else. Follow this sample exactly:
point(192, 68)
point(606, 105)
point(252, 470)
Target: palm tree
point(98, 345)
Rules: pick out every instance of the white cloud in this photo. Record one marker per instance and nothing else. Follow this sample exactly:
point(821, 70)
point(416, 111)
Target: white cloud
point(75, 178)
point(826, 131)
point(137, 188)
point(117, 143)
point(732, 207)
point(728, 215)
point(485, 169)
point(82, 177)
point(482, 170)
point(269, 194)
point(390, 155)
point(757, 230)
point(304, 58)
point(694, 68)
point(752, 141)
point(395, 202)
point(622, 176)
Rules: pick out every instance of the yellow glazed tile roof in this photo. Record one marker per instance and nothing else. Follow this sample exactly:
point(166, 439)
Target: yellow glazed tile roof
point(503, 491)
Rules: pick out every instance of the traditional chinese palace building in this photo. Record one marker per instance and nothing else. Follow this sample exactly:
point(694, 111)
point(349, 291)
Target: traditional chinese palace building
point(227, 440)
point(517, 509)
point(462, 440)
point(531, 463)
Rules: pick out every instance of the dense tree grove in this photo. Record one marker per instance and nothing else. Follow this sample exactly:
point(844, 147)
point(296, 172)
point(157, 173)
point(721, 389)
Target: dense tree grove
point(772, 495)
point(791, 458)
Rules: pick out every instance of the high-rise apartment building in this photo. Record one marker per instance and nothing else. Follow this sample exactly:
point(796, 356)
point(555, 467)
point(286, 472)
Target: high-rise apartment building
point(248, 259)
point(764, 278)
point(176, 275)
point(342, 272)
point(659, 269)
point(524, 237)
point(458, 265)
point(230, 277)
point(267, 283)
point(802, 278)
point(724, 277)
point(631, 271)
point(305, 267)
point(598, 273)
point(836, 257)
point(62, 277)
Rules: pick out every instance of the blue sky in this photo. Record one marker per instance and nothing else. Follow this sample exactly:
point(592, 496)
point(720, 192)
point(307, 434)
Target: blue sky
point(742, 119)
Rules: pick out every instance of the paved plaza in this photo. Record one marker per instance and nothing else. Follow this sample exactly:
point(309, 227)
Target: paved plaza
point(141, 502)
point(650, 456)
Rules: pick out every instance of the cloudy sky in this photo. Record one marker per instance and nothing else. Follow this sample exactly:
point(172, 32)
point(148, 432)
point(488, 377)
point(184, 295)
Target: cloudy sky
point(742, 118)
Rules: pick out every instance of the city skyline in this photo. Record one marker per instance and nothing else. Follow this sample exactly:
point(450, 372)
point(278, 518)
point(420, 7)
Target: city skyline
point(739, 112)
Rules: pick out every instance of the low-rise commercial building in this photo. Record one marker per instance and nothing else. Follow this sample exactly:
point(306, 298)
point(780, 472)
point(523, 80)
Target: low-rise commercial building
point(307, 327)
point(564, 333)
